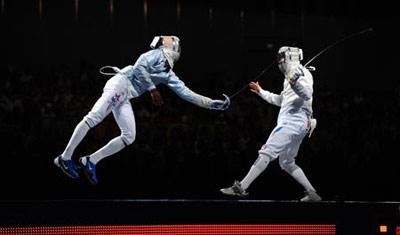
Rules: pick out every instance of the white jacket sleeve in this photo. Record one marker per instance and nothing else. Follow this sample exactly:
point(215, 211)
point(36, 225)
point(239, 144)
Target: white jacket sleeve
point(302, 88)
point(271, 97)
point(302, 84)
point(185, 93)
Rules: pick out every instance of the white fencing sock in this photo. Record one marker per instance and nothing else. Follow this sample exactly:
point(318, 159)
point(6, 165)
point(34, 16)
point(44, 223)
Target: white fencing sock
point(79, 133)
point(256, 169)
point(300, 177)
point(114, 146)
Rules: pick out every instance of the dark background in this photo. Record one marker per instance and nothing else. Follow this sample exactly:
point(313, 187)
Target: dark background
point(51, 52)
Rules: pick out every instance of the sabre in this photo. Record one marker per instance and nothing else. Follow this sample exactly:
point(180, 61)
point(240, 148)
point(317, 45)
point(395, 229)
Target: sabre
point(255, 78)
point(309, 61)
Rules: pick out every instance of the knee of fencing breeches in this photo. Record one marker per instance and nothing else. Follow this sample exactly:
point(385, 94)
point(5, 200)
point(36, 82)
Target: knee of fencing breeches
point(268, 152)
point(262, 162)
point(288, 165)
point(92, 119)
point(128, 137)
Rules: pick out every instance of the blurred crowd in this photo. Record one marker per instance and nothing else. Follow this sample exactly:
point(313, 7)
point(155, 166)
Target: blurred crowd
point(351, 153)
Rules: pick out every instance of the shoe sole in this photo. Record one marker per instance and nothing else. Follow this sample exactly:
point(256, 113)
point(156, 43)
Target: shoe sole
point(235, 194)
point(57, 163)
point(229, 194)
point(312, 200)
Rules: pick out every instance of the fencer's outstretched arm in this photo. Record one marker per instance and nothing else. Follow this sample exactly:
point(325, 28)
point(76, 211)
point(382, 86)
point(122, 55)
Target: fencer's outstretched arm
point(301, 83)
point(266, 95)
point(179, 87)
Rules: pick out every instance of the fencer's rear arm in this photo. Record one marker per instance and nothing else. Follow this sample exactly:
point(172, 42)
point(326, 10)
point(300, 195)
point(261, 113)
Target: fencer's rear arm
point(303, 88)
point(271, 97)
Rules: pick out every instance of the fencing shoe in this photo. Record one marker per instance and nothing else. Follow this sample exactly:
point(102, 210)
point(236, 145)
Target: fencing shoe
point(235, 190)
point(89, 169)
point(311, 196)
point(68, 167)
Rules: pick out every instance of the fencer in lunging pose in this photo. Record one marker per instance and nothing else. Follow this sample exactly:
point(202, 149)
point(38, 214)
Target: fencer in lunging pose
point(152, 68)
point(294, 122)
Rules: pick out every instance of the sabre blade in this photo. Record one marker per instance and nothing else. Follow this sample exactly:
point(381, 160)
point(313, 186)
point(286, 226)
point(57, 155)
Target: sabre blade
point(337, 42)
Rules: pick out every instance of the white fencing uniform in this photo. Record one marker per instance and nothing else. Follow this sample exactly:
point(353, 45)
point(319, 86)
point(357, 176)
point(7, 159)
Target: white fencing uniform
point(293, 123)
point(115, 98)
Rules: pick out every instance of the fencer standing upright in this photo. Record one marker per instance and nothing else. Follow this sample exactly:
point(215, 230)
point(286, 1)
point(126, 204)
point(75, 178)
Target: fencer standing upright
point(151, 68)
point(294, 122)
